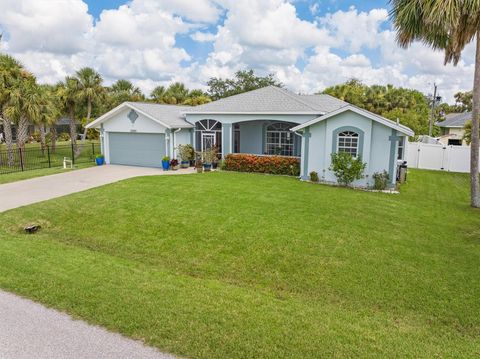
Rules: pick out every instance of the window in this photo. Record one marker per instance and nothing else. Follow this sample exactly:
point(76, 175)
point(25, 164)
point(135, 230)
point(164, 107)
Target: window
point(279, 139)
point(347, 141)
point(401, 146)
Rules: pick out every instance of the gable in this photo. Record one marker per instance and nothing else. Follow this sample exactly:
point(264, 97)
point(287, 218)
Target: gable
point(129, 120)
point(348, 111)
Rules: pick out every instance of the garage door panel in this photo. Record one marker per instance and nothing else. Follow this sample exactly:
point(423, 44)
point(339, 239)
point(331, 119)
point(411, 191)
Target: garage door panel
point(137, 149)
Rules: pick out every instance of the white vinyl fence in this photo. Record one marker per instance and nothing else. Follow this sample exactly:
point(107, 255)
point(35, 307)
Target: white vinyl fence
point(438, 157)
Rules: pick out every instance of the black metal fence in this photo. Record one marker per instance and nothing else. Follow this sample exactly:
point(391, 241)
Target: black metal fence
point(28, 159)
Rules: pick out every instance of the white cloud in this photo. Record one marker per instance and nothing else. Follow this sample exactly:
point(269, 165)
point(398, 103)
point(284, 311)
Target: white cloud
point(138, 41)
point(62, 27)
point(203, 36)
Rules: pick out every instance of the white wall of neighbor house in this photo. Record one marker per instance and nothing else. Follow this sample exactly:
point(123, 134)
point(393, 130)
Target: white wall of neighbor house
point(375, 150)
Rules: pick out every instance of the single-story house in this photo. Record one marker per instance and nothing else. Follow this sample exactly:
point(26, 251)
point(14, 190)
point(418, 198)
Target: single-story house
point(452, 128)
point(267, 121)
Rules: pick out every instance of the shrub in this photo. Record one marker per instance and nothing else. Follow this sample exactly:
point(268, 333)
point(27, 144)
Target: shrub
point(186, 152)
point(210, 156)
point(346, 168)
point(166, 158)
point(314, 176)
point(262, 164)
point(63, 137)
point(99, 156)
point(174, 163)
point(381, 180)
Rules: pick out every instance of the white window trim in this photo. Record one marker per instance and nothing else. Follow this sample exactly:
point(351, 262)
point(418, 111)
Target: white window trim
point(357, 137)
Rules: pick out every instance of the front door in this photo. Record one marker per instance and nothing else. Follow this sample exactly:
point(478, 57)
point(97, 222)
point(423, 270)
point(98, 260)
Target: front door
point(208, 141)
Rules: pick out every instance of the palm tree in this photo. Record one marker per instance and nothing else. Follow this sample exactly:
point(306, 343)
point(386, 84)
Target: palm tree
point(24, 106)
point(176, 93)
point(122, 91)
point(447, 25)
point(67, 94)
point(158, 94)
point(10, 72)
point(90, 89)
point(49, 115)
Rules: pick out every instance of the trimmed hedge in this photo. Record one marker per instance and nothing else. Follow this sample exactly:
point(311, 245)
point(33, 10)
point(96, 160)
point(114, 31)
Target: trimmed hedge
point(278, 165)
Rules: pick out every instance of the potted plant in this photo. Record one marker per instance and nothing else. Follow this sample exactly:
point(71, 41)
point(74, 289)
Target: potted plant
point(174, 164)
point(186, 154)
point(166, 163)
point(99, 160)
point(209, 158)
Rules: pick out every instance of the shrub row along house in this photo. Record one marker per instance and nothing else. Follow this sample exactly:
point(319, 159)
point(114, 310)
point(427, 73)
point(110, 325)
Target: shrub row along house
point(267, 121)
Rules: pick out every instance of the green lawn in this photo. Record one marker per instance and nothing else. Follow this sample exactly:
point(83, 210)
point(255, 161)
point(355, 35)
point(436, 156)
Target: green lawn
point(231, 265)
point(18, 176)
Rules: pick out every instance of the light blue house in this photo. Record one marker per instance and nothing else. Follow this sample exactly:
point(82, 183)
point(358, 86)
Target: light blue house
point(268, 121)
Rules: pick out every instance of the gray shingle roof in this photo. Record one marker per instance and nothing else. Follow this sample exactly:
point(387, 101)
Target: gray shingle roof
point(325, 102)
point(171, 115)
point(271, 99)
point(455, 119)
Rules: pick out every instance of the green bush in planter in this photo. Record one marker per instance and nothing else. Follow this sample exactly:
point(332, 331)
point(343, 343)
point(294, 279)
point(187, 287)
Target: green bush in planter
point(346, 168)
point(314, 176)
point(380, 180)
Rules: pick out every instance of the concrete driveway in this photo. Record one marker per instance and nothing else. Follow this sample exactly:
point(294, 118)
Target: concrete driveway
point(21, 193)
point(30, 331)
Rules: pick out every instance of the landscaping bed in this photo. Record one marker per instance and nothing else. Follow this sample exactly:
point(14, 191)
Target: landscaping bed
point(235, 265)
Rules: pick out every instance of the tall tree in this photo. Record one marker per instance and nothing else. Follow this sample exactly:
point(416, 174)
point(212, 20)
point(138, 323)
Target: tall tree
point(49, 114)
point(23, 106)
point(447, 25)
point(158, 94)
point(409, 106)
point(176, 93)
point(90, 90)
point(67, 94)
point(243, 81)
point(10, 74)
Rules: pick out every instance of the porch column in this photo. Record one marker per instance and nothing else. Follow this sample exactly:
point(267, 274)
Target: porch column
point(393, 157)
point(227, 139)
point(304, 158)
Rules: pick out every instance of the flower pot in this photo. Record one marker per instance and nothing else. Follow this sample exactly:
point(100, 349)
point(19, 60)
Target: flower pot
point(214, 165)
point(185, 164)
point(99, 161)
point(207, 167)
point(165, 165)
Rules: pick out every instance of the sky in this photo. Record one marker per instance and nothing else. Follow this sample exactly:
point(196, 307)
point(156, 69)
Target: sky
point(308, 45)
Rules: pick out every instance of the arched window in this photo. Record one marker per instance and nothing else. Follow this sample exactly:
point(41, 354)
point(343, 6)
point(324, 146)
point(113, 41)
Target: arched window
point(279, 139)
point(347, 141)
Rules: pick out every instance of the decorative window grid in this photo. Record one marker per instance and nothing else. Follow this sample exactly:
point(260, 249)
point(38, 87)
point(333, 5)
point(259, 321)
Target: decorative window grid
point(279, 139)
point(347, 141)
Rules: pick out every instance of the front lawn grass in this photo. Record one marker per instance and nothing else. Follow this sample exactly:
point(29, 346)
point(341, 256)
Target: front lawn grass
point(19, 176)
point(232, 265)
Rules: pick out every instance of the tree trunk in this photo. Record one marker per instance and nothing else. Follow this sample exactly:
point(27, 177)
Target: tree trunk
point(22, 132)
point(89, 114)
point(7, 129)
point(43, 142)
point(53, 139)
point(474, 146)
point(73, 127)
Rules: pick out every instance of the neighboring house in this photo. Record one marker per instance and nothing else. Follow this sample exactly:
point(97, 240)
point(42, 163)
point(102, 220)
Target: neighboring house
point(63, 125)
point(267, 121)
point(452, 128)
